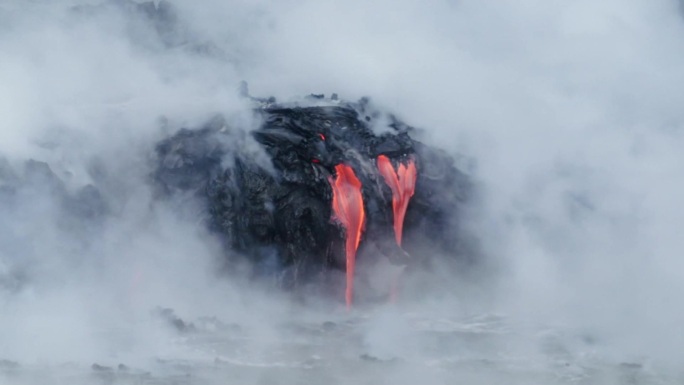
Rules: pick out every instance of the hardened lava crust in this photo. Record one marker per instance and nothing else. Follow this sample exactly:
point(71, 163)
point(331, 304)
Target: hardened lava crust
point(318, 186)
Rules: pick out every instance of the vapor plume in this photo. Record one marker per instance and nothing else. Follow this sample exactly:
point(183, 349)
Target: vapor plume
point(566, 115)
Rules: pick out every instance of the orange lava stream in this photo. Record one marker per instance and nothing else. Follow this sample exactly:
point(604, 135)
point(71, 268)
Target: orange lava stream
point(403, 185)
point(347, 205)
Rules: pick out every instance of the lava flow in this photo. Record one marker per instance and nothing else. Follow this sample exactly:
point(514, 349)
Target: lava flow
point(347, 205)
point(403, 185)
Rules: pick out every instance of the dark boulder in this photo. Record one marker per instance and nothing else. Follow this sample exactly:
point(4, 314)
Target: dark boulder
point(277, 209)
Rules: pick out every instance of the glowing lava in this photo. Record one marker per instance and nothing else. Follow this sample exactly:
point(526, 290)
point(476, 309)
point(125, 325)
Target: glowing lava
point(403, 185)
point(347, 205)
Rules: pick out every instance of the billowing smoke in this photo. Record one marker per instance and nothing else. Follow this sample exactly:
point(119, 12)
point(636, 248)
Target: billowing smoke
point(566, 115)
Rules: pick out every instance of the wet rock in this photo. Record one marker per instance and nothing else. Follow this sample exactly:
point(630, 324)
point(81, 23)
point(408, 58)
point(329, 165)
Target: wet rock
point(370, 358)
point(170, 317)
point(101, 368)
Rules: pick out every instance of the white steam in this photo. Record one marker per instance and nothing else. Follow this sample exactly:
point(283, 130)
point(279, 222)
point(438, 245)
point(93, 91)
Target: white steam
point(572, 111)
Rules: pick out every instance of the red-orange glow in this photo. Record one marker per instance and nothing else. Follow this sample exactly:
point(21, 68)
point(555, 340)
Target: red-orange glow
point(347, 205)
point(321, 136)
point(403, 185)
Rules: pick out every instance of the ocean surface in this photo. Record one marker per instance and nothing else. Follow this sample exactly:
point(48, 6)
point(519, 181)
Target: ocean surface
point(355, 349)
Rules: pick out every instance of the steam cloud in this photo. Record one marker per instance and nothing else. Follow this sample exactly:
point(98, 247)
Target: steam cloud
point(570, 111)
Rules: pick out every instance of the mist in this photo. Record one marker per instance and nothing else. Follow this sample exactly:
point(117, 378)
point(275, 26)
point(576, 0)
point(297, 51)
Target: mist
point(567, 115)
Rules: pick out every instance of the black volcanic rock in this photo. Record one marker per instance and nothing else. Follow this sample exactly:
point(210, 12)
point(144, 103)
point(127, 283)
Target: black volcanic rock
point(278, 212)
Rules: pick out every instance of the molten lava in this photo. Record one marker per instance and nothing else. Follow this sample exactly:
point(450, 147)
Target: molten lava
point(347, 205)
point(403, 185)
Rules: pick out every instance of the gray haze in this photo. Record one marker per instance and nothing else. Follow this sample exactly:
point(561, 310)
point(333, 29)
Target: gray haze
point(569, 111)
